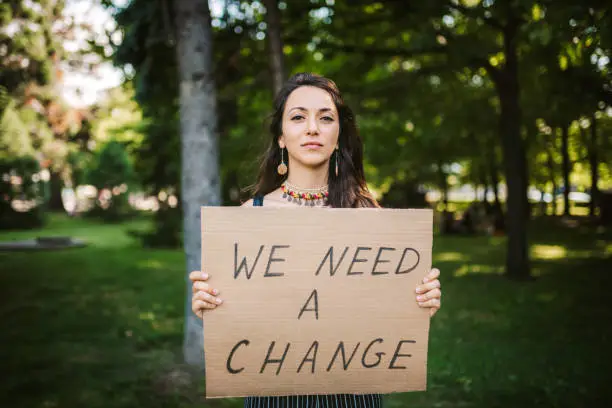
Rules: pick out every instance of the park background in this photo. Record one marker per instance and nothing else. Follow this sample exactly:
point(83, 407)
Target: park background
point(119, 119)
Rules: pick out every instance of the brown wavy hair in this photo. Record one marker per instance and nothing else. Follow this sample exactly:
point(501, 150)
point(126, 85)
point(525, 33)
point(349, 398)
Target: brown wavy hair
point(349, 188)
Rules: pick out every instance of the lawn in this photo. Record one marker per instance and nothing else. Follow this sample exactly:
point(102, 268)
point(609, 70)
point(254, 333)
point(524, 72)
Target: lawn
point(101, 326)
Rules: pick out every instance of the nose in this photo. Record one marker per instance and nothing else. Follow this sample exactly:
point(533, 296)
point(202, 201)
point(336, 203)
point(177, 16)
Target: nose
point(313, 126)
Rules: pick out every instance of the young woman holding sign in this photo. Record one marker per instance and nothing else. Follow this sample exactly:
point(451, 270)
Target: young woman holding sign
point(315, 159)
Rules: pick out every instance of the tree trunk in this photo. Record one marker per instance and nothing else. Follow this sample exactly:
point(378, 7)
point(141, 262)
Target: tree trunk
point(443, 185)
point(566, 168)
point(530, 136)
point(551, 173)
point(482, 179)
point(200, 184)
point(594, 162)
point(494, 181)
point(275, 44)
point(506, 81)
point(56, 184)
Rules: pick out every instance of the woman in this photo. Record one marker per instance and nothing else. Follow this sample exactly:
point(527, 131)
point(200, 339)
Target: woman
point(315, 159)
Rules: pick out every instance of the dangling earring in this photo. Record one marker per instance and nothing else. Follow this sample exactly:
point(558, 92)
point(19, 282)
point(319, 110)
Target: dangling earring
point(337, 153)
point(282, 167)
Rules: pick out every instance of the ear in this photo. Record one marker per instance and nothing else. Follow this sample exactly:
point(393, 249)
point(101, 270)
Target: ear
point(281, 141)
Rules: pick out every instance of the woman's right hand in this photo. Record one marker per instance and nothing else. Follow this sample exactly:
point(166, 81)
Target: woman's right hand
point(204, 297)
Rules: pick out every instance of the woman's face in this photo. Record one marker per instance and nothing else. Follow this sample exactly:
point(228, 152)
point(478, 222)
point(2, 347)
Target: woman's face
point(310, 127)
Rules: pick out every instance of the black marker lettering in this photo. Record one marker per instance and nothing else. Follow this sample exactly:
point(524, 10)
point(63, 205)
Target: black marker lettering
point(330, 255)
point(365, 353)
point(272, 361)
point(316, 305)
point(231, 355)
point(378, 260)
point(355, 260)
point(397, 354)
point(243, 264)
point(412, 268)
point(345, 363)
point(272, 259)
point(315, 347)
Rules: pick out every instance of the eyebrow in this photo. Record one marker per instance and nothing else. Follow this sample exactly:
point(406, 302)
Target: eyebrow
point(306, 110)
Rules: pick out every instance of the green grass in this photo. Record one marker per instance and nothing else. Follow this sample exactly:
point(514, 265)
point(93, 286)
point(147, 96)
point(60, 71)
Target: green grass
point(101, 326)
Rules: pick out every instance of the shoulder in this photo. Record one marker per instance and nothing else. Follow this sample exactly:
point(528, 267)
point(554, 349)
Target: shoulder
point(273, 199)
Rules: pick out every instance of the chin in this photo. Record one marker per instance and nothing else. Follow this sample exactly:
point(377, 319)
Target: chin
point(314, 162)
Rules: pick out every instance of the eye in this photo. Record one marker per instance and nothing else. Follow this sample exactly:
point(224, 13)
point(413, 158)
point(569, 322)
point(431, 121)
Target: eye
point(327, 119)
point(297, 117)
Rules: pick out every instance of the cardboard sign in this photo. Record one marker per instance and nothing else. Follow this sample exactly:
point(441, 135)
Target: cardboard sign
point(316, 301)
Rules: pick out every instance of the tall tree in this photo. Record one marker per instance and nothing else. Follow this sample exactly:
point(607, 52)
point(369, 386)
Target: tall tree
point(275, 44)
point(33, 56)
point(593, 165)
point(200, 184)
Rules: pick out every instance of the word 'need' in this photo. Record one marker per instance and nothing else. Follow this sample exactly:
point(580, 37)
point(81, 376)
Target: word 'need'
point(346, 261)
point(364, 356)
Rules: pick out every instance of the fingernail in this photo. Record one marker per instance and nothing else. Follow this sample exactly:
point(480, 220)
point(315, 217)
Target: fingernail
point(205, 275)
point(215, 292)
point(419, 298)
point(419, 290)
point(219, 301)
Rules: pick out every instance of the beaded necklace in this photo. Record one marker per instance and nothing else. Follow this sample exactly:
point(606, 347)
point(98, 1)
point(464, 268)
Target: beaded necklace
point(305, 196)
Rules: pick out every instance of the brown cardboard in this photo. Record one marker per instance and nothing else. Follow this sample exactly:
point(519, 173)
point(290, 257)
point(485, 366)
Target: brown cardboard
point(352, 309)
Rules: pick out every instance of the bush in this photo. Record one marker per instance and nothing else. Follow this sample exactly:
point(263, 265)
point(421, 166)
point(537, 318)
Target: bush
point(111, 173)
point(20, 181)
point(167, 229)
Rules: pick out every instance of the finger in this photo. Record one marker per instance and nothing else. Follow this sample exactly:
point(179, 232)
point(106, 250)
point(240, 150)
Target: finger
point(199, 285)
point(199, 306)
point(198, 309)
point(433, 310)
point(428, 286)
point(204, 287)
point(433, 274)
point(430, 303)
point(432, 294)
point(198, 275)
point(207, 297)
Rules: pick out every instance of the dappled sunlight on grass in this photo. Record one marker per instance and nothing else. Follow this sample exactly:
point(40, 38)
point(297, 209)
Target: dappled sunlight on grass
point(151, 264)
point(150, 316)
point(540, 251)
point(545, 252)
point(478, 269)
point(449, 257)
point(546, 296)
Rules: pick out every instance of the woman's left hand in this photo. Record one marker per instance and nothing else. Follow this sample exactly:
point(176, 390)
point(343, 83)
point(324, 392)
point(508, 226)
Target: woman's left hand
point(429, 293)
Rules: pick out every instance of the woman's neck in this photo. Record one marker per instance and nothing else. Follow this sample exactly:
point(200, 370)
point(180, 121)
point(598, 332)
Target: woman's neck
point(305, 177)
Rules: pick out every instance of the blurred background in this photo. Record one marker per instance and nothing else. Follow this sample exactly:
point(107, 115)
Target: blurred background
point(495, 113)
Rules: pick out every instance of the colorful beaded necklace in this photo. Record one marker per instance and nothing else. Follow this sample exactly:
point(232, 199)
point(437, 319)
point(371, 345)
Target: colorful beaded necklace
point(306, 196)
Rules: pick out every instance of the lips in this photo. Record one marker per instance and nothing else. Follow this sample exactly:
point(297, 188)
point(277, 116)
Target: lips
point(312, 144)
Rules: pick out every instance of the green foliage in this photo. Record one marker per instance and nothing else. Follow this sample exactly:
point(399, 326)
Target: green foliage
point(15, 140)
point(168, 229)
point(111, 167)
point(35, 120)
point(111, 172)
point(21, 182)
point(422, 77)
